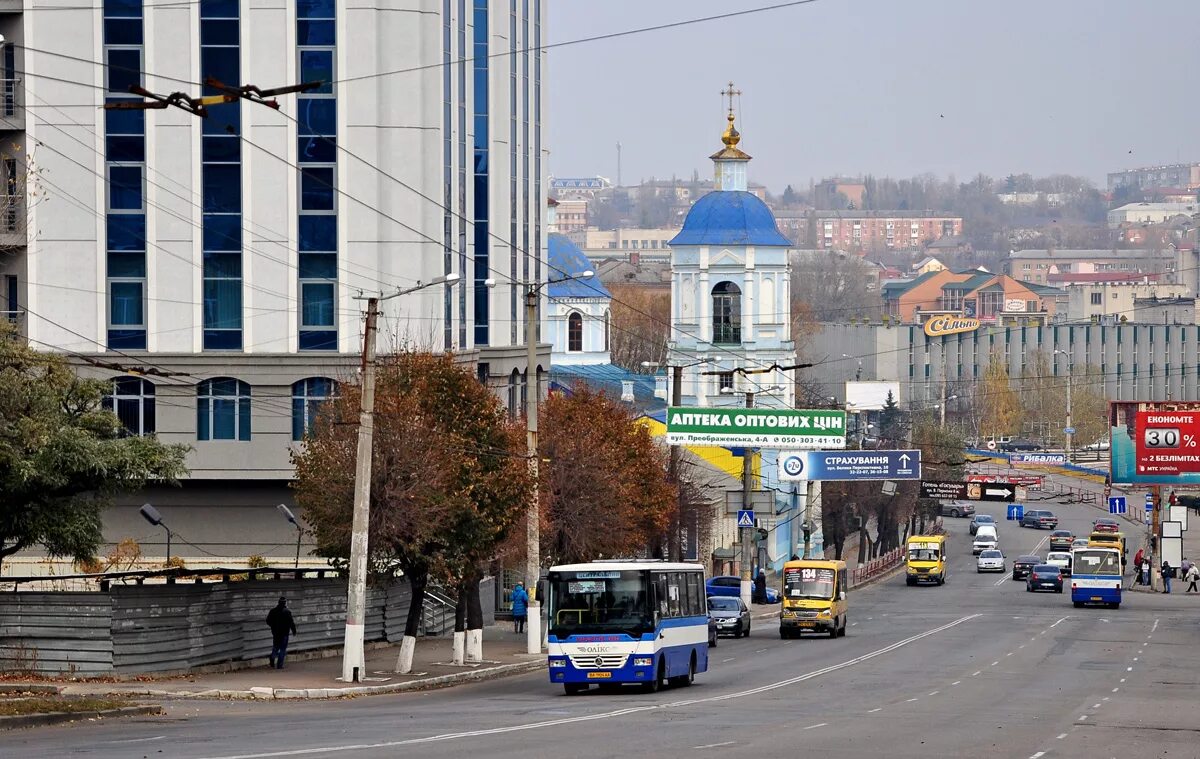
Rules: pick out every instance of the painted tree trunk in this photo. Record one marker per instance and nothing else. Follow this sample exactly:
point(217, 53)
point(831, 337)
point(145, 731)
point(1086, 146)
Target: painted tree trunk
point(474, 609)
point(460, 623)
point(417, 580)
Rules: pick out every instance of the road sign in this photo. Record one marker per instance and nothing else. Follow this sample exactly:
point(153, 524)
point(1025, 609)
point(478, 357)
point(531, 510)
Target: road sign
point(1016, 512)
point(777, 429)
point(1068, 430)
point(1037, 459)
point(1149, 502)
point(1155, 443)
point(760, 500)
point(1116, 504)
point(850, 465)
point(1002, 492)
point(745, 518)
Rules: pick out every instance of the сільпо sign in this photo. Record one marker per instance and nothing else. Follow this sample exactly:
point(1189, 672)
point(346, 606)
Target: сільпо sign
point(850, 465)
point(779, 429)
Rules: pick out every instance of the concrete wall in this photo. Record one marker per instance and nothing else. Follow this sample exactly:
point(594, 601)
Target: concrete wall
point(136, 629)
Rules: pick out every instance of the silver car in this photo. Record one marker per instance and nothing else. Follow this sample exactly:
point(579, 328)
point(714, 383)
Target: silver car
point(991, 560)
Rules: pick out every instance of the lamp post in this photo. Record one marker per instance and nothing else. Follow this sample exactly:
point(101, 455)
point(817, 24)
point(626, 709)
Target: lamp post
point(353, 659)
point(288, 515)
point(151, 515)
point(1069, 435)
point(533, 556)
point(942, 407)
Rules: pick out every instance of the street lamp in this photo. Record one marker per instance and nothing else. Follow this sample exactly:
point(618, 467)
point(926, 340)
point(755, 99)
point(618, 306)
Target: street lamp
point(942, 407)
point(353, 658)
point(533, 557)
point(288, 515)
point(1069, 432)
point(151, 515)
point(858, 371)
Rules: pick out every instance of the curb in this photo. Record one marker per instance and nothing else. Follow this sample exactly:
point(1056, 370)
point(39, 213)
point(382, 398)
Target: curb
point(57, 718)
point(426, 683)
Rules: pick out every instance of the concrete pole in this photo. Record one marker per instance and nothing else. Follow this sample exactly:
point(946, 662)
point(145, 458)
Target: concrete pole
point(677, 400)
point(533, 556)
point(747, 532)
point(353, 658)
point(809, 495)
point(1070, 435)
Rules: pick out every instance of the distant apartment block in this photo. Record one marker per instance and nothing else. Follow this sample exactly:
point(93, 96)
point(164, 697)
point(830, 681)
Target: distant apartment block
point(881, 230)
point(825, 194)
point(627, 243)
point(572, 216)
point(1181, 175)
point(1119, 299)
point(1149, 213)
point(1039, 265)
point(578, 187)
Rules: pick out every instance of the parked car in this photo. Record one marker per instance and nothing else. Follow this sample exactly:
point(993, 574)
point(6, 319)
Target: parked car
point(1102, 444)
point(1060, 559)
point(731, 615)
point(1106, 524)
point(979, 519)
point(1042, 520)
point(1044, 577)
point(1060, 540)
point(956, 509)
point(1023, 565)
point(1017, 444)
point(990, 560)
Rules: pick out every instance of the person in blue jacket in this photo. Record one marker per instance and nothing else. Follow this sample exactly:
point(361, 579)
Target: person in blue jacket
point(520, 607)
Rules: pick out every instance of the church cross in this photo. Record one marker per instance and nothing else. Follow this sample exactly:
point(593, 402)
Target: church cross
point(730, 93)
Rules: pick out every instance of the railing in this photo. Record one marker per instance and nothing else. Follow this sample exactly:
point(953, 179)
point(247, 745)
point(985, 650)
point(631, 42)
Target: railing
point(877, 566)
point(437, 612)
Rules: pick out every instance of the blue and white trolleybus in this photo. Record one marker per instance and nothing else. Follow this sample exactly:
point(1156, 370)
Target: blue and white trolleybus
point(1096, 576)
point(616, 622)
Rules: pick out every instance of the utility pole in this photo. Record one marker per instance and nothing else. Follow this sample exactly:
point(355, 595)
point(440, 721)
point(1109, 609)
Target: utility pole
point(747, 504)
point(533, 555)
point(673, 464)
point(809, 494)
point(353, 657)
point(1070, 430)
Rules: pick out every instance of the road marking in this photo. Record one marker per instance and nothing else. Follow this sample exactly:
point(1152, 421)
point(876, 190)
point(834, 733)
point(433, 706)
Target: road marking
point(1135, 658)
point(1114, 690)
point(726, 661)
point(1038, 755)
point(1122, 679)
point(1021, 646)
point(877, 709)
point(934, 693)
point(956, 682)
point(1063, 735)
point(1096, 706)
point(1056, 624)
point(1009, 653)
point(1154, 627)
point(1000, 582)
point(994, 663)
point(761, 650)
point(1081, 719)
point(852, 624)
point(819, 724)
point(976, 672)
point(1104, 699)
point(909, 701)
point(1129, 669)
point(715, 745)
point(139, 740)
point(604, 715)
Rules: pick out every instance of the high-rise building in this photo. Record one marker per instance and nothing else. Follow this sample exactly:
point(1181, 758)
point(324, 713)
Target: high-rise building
point(227, 253)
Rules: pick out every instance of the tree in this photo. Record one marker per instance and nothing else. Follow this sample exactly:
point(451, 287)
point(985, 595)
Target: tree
point(833, 286)
point(891, 424)
point(641, 325)
point(998, 404)
point(789, 197)
point(605, 491)
point(63, 455)
point(449, 477)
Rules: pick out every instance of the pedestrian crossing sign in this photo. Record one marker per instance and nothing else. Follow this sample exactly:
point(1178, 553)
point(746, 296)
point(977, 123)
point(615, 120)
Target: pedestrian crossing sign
point(745, 518)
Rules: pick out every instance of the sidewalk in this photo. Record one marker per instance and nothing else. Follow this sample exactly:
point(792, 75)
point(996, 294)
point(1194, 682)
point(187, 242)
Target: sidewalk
point(503, 651)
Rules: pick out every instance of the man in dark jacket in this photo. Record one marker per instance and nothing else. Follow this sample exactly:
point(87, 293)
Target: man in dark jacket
point(760, 588)
point(282, 625)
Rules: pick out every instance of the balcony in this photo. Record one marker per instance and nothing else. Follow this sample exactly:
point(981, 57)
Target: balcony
point(12, 222)
point(12, 110)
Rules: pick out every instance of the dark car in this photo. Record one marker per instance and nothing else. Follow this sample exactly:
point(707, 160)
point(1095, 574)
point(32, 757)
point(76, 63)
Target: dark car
point(1023, 565)
point(1042, 520)
point(1060, 540)
point(1044, 577)
point(731, 586)
point(1104, 524)
point(1016, 444)
point(981, 519)
point(730, 614)
point(956, 509)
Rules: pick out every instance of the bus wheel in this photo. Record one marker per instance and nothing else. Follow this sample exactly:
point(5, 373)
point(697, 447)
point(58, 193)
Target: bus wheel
point(842, 632)
point(573, 688)
point(656, 684)
point(685, 680)
point(833, 632)
point(1079, 604)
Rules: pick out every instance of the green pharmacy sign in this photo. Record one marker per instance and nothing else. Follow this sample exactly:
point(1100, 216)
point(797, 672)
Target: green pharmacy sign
point(778, 429)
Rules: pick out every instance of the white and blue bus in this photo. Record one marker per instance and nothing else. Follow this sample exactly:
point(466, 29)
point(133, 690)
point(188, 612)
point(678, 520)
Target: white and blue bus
point(616, 622)
point(1096, 576)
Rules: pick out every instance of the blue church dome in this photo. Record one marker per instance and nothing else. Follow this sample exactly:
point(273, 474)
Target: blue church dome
point(565, 259)
point(730, 217)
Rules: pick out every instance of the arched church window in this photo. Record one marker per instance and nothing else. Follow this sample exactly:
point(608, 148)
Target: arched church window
point(575, 332)
point(607, 317)
point(727, 314)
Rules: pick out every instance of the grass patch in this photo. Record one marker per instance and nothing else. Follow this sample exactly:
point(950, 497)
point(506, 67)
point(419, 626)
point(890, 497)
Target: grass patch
point(10, 707)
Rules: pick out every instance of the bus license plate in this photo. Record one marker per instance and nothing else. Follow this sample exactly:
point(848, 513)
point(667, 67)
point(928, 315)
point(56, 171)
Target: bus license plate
point(807, 623)
point(599, 675)
point(1097, 598)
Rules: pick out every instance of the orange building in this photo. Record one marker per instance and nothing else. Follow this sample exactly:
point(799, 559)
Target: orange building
point(983, 295)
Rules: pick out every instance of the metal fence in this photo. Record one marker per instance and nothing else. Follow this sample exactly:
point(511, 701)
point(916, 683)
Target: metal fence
point(877, 566)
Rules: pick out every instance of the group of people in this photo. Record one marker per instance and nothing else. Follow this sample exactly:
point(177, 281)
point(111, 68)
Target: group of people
point(1187, 571)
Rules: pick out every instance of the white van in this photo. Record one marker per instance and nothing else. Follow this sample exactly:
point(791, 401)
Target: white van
point(985, 538)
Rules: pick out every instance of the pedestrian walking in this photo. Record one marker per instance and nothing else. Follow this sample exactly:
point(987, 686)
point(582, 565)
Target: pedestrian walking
point(1146, 571)
point(1167, 573)
point(1192, 576)
point(520, 607)
point(760, 587)
point(1184, 566)
point(282, 625)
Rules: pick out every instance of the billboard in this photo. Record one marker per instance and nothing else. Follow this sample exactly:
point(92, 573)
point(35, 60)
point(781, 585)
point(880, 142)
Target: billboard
point(1037, 459)
point(778, 429)
point(850, 465)
point(870, 396)
point(1155, 443)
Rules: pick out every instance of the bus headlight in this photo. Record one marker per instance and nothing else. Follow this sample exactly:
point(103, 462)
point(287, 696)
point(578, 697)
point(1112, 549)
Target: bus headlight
point(643, 661)
point(558, 662)
point(823, 613)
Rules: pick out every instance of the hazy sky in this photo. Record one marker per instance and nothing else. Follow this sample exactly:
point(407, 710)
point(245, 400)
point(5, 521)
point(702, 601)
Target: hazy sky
point(890, 87)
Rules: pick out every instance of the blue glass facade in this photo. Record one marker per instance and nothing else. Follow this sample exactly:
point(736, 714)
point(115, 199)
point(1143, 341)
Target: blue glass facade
point(221, 179)
point(480, 188)
point(316, 49)
point(463, 183)
point(513, 44)
point(125, 165)
point(447, 178)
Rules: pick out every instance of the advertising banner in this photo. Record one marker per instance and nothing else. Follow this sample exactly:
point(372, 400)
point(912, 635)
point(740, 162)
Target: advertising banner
point(1155, 443)
point(1029, 481)
point(968, 491)
point(850, 465)
point(778, 429)
point(1037, 459)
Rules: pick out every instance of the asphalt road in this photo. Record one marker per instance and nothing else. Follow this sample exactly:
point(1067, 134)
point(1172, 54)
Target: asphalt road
point(974, 667)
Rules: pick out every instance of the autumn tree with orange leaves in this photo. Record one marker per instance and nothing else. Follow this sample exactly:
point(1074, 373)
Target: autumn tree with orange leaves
point(605, 491)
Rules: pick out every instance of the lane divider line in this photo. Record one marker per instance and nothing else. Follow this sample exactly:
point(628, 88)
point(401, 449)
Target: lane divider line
point(1064, 735)
point(876, 709)
point(819, 724)
point(714, 745)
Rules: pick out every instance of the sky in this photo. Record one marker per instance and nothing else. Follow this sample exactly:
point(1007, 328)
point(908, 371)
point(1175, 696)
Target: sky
point(887, 87)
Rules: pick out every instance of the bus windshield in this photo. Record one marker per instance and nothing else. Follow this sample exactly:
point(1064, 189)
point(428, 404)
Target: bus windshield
point(1096, 562)
point(808, 582)
point(597, 602)
point(918, 553)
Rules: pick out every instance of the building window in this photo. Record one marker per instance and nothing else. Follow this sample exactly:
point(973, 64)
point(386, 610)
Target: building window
point(481, 177)
point(1097, 299)
point(607, 327)
point(223, 409)
point(12, 311)
point(132, 400)
point(727, 314)
point(575, 332)
point(724, 381)
point(308, 395)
